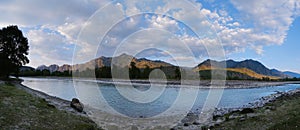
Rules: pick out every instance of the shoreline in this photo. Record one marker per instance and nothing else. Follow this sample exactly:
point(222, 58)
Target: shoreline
point(261, 102)
point(25, 108)
point(222, 84)
point(279, 111)
point(221, 115)
point(59, 103)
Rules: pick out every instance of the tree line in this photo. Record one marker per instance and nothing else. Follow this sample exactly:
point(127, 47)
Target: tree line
point(44, 72)
point(143, 73)
point(108, 72)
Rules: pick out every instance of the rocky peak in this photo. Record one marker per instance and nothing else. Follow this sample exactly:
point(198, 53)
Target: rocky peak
point(42, 67)
point(53, 68)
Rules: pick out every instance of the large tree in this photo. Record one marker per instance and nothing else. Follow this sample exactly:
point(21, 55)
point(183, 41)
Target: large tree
point(13, 50)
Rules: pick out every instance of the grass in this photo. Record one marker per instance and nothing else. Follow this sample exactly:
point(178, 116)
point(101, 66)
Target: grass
point(285, 114)
point(20, 110)
point(242, 71)
point(250, 73)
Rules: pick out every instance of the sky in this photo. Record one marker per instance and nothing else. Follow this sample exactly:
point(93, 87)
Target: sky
point(184, 32)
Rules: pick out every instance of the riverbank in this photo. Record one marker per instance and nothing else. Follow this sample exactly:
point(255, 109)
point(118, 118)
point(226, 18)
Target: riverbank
point(24, 108)
point(276, 111)
point(280, 112)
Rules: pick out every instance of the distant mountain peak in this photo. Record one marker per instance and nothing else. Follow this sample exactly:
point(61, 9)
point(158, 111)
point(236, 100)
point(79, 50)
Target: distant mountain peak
point(250, 64)
point(292, 74)
point(124, 55)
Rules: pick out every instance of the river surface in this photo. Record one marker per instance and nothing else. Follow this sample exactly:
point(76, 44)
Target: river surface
point(101, 94)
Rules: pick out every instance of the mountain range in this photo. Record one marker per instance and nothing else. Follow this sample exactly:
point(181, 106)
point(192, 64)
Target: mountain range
point(242, 69)
point(102, 61)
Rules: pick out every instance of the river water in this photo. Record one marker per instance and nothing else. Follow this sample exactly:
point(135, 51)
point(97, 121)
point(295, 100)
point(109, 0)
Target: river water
point(105, 95)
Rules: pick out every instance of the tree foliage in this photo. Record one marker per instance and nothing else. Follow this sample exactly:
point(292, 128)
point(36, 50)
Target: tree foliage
point(13, 50)
point(134, 72)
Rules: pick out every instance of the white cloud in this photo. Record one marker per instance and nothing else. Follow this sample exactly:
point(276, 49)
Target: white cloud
point(36, 12)
point(271, 19)
point(233, 33)
point(46, 47)
point(163, 22)
point(258, 49)
point(53, 27)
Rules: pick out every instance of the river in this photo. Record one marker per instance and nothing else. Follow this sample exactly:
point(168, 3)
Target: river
point(96, 94)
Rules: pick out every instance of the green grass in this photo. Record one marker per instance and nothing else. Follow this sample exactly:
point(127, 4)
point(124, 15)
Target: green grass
point(20, 110)
point(285, 116)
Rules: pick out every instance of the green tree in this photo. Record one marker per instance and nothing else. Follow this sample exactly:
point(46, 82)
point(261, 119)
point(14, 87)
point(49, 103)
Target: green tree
point(45, 72)
point(146, 72)
point(177, 73)
point(134, 72)
point(13, 50)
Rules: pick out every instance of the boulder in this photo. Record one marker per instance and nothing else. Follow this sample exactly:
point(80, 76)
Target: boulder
point(50, 105)
point(75, 103)
point(247, 110)
point(185, 124)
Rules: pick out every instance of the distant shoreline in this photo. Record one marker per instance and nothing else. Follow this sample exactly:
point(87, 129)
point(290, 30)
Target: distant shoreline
point(184, 83)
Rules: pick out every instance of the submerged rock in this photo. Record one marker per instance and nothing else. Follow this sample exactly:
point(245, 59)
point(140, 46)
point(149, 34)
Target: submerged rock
point(75, 103)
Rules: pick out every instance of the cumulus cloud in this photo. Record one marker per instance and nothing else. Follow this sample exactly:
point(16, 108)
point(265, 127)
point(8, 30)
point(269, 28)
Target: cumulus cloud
point(48, 46)
point(163, 22)
point(212, 26)
point(271, 20)
point(53, 28)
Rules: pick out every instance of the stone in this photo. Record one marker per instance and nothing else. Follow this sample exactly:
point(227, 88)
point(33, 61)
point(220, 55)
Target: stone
point(219, 121)
point(242, 119)
point(271, 107)
point(247, 110)
point(50, 105)
point(234, 115)
point(196, 123)
point(75, 103)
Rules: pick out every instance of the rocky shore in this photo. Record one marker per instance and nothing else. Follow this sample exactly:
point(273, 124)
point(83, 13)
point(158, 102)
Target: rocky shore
point(220, 115)
point(219, 112)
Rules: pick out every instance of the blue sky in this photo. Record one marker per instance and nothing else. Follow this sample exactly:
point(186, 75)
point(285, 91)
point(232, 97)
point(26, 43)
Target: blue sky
point(180, 32)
